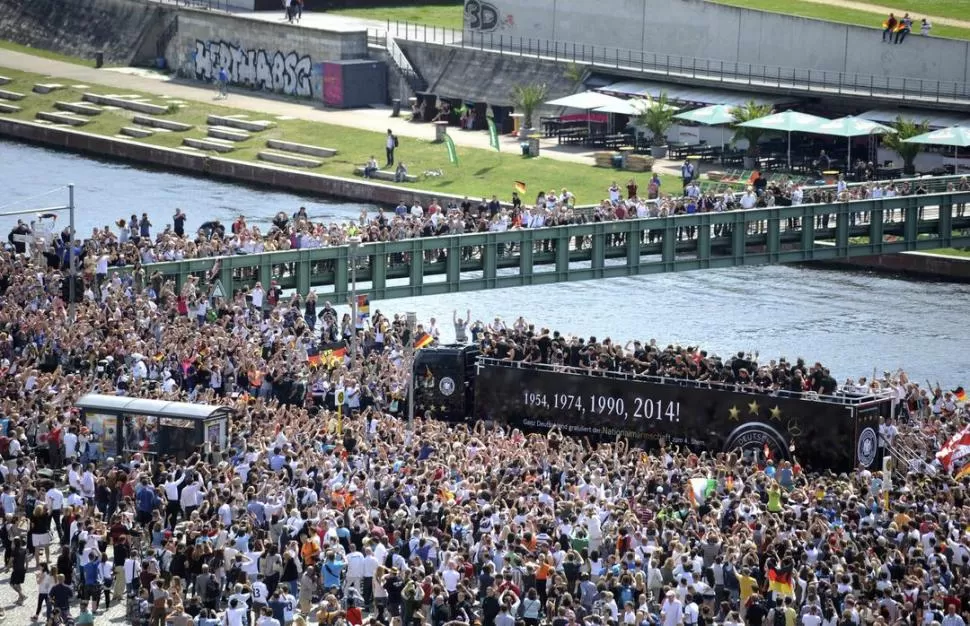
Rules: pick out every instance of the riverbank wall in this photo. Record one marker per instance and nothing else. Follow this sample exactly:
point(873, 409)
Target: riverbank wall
point(913, 264)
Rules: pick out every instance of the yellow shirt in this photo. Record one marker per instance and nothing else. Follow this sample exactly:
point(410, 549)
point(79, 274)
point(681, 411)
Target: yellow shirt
point(747, 585)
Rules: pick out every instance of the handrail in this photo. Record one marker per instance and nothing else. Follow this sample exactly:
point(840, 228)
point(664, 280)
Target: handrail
point(842, 398)
point(718, 70)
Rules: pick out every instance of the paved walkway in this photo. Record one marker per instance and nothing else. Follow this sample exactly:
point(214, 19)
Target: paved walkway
point(375, 119)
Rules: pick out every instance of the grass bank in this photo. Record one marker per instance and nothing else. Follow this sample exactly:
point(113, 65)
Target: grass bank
point(443, 15)
point(46, 54)
point(479, 173)
point(830, 13)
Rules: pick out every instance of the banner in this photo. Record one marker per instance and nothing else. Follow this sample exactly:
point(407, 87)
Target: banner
point(328, 354)
point(363, 307)
point(452, 153)
point(520, 187)
point(423, 340)
point(758, 426)
point(954, 456)
point(493, 134)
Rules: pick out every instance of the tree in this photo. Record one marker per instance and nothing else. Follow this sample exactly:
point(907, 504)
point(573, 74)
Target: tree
point(657, 116)
point(528, 98)
point(751, 110)
point(907, 151)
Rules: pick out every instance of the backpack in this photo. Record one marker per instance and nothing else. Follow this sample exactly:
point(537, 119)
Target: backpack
point(212, 587)
point(396, 142)
point(779, 619)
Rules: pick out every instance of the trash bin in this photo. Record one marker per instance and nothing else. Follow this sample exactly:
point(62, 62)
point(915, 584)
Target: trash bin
point(618, 160)
point(99, 59)
point(396, 110)
point(525, 148)
point(534, 145)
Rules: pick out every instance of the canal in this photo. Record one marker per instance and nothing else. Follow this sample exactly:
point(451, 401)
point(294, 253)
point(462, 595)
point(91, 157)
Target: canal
point(854, 322)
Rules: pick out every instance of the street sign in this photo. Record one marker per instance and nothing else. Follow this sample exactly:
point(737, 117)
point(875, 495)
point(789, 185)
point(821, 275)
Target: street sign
point(217, 290)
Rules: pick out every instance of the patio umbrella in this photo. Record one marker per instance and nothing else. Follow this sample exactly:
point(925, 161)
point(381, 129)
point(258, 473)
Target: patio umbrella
point(713, 115)
point(587, 101)
point(956, 136)
point(849, 127)
point(788, 122)
point(633, 107)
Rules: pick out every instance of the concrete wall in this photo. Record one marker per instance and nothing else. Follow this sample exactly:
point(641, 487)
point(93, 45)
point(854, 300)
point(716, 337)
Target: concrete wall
point(482, 76)
point(261, 55)
point(696, 28)
point(119, 28)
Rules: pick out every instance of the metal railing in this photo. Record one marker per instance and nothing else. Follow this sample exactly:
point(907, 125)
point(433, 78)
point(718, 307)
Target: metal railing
point(712, 70)
point(208, 5)
point(400, 60)
point(843, 397)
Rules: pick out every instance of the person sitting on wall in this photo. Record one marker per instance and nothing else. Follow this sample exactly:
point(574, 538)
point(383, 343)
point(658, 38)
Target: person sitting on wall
point(417, 111)
point(401, 173)
point(371, 167)
point(468, 119)
point(444, 112)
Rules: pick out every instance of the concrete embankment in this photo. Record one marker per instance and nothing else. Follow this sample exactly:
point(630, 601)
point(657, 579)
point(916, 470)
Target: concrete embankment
point(204, 165)
point(916, 264)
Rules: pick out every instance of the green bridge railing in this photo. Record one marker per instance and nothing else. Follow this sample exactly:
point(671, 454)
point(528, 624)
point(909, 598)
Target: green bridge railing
point(522, 257)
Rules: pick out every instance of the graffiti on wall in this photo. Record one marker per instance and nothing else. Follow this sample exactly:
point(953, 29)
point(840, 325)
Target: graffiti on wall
point(484, 17)
point(280, 72)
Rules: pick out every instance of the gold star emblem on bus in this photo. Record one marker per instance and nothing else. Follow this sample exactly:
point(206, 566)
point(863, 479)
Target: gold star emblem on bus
point(776, 413)
point(734, 414)
point(753, 407)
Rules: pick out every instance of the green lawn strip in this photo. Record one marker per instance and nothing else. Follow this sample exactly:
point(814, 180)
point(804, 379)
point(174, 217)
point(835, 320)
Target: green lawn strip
point(958, 252)
point(47, 54)
point(479, 173)
point(842, 15)
point(442, 15)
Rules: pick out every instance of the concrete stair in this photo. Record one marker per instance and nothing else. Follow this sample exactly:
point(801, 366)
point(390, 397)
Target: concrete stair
point(282, 158)
point(61, 118)
point(11, 95)
point(154, 122)
point(47, 87)
point(253, 126)
point(78, 107)
point(132, 105)
point(137, 132)
point(212, 145)
point(4, 80)
point(229, 134)
point(9, 108)
point(300, 148)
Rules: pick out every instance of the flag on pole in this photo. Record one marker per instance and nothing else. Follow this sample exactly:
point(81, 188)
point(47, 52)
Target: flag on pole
point(493, 134)
point(452, 153)
point(423, 341)
point(700, 490)
point(520, 187)
point(363, 307)
point(780, 581)
point(960, 394)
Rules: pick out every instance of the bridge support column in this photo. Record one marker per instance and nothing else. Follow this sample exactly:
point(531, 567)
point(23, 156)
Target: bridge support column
point(946, 220)
point(911, 225)
point(226, 278)
point(453, 266)
point(668, 248)
point(739, 237)
point(416, 277)
point(808, 234)
point(562, 255)
point(378, 270)
point(303, 274)
point(598, 250)
point(633, 247)
point(526, 248)
point(876, 230)
point(490, 262)
point(842, 231)
point(341, 276)
point(266, 272)
point(774, 236)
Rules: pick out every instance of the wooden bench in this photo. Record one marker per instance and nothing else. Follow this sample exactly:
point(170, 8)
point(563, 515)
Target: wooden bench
point(385, 175)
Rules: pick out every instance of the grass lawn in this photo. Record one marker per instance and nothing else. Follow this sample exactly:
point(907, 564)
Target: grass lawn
point(960, 252)
point(802, 8)
point(446, 15)
point(480, 172)
point(47, 54)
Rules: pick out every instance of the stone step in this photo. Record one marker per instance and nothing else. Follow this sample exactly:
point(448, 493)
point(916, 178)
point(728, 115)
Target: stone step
point(61, 118)
point(208, 144)
point(282, 158)
point(4, 80)
point(11, 95)
point(154, 122)
point(78, 107)
point(137, 132)
point(385, 175)
point(300, 148)
point(9, 108)
point(229, 134)
point(47, 87)
point(125, 103)
point(253, 126)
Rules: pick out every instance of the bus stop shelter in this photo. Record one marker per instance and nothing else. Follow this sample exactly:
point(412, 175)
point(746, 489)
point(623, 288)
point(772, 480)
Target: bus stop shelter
point(120, 426)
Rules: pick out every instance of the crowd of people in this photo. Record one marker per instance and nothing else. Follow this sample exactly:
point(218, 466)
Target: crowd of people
point(137, 242)
point(309, 517)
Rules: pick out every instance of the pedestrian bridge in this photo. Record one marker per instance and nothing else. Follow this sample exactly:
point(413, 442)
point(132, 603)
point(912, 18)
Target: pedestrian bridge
point(470, 262)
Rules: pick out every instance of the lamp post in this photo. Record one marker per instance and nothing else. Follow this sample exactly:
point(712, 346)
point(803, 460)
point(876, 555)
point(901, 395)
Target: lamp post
point(71, 259)
point(412, 319)
point(354, 243)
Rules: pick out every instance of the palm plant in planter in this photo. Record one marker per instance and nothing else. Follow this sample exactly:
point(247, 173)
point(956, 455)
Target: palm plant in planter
point(528, 98)
point(657, 116)
point(745, 113)
point(908, 151)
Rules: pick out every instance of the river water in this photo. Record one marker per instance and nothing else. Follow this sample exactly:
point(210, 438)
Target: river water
point(853, 322)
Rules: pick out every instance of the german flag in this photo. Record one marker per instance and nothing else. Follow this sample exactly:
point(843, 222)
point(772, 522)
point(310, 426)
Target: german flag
point(423, 340)
point(363, 306)
point(313, 357)
point(780, 581)
point(520, 186)
point(960, 394)
point(333, 353)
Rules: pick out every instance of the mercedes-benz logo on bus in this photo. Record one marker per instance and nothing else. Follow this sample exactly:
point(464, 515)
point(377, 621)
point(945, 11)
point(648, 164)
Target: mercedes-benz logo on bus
point(446, 386)
point(866, 447)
